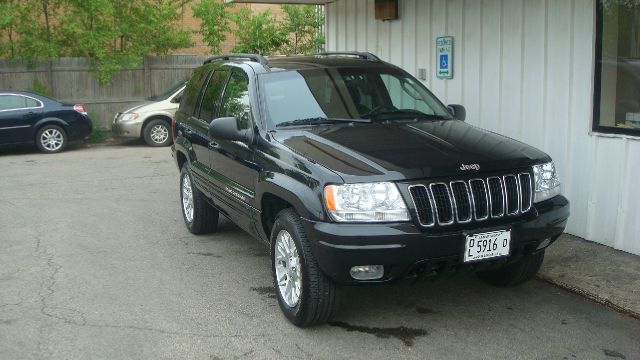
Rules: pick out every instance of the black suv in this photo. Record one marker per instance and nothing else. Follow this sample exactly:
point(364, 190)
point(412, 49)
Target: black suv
point(352, 172)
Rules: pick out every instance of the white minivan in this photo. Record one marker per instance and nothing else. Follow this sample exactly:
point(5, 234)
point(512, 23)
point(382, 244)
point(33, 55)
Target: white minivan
point(151, 119)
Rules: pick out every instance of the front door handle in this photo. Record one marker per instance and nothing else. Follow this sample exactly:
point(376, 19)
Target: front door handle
point(213, 145)
point(189, 131)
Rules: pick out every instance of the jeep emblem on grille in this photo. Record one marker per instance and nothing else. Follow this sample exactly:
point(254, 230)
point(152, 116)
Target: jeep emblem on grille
point(475, 167)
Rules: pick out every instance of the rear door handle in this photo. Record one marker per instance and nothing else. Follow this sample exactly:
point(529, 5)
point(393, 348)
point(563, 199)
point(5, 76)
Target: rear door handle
point(189, 131)
point(213, 145)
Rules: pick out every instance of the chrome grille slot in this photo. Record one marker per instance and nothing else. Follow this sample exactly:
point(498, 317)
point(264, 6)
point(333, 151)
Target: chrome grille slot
point(422, 203)
point(526, 192)
point(496, 196)
point(512, 194)
point(461, 201)
point(479, 199)
point(442, 201)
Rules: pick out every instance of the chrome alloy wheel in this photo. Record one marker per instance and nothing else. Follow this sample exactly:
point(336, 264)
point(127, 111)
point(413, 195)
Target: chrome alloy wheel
point(159, 134)
point(187, 198)
point(51, 139)
point(287, 263)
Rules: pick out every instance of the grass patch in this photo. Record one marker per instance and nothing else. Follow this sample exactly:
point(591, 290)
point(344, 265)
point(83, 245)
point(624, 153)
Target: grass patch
point(99, 134)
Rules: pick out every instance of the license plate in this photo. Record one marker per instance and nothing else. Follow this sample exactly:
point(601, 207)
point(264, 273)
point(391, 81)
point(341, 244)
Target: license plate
point(487, 245)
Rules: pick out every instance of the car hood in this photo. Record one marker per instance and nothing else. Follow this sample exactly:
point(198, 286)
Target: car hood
point(147, 106)
point(407, 151)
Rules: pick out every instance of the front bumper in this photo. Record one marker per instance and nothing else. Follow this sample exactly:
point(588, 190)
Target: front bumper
point(406, 250)
point(132, 128)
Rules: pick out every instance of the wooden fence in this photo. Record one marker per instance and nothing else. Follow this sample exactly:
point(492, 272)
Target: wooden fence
point(71, 80)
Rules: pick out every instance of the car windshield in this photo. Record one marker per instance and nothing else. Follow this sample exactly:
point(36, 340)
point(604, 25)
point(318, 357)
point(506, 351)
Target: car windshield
point(347, 93)
point(168, 92)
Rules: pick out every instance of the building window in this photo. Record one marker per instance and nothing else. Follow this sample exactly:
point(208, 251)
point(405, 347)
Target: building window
point(617, 76)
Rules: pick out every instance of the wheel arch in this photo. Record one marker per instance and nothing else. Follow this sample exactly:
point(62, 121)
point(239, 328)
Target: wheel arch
point(49, 121)
point(280, 192)
point(163, 117)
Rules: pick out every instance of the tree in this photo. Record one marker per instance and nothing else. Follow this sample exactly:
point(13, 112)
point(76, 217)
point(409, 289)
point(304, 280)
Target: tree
point(302, 25)
point(113, 34)
point(214, 22)
point(258, 33)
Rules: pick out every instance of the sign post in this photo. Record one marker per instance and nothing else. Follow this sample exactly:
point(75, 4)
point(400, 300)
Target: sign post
point(444, 57)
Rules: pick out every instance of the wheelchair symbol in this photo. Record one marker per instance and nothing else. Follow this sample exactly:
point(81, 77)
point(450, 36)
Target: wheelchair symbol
point(444, 61)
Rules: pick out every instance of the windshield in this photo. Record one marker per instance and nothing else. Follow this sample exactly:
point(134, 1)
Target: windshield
point(348, 93)
point(168, 92)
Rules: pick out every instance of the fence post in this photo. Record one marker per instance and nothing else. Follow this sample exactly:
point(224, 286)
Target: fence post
point(146, 73)
point(50, 79)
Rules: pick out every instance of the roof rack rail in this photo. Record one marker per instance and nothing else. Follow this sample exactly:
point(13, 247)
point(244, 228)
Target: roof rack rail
point(255, 57)
point(362, 55)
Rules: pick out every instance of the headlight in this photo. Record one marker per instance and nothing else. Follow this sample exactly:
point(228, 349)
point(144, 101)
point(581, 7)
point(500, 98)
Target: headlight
point(129, 116)
point(547, 184)
point(375, 202)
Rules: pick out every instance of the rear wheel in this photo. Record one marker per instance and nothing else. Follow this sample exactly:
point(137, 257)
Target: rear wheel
point(305, 294)
point(157, 133)
point(198, 215)
point(51, 139)
point(516, 273)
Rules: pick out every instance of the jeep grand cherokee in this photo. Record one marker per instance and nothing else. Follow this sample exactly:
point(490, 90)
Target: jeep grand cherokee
point(352, 172)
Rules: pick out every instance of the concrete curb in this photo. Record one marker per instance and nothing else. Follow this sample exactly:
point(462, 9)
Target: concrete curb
point(590, 296)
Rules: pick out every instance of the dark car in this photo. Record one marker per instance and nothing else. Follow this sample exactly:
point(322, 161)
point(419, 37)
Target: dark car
point(352, 172)
point(28, 118)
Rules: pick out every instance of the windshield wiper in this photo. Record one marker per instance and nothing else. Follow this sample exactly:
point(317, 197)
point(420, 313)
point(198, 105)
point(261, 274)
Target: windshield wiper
point(404, 113)
point(320, 120)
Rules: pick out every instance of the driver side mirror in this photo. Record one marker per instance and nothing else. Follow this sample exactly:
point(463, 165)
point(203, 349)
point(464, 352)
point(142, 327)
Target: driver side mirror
point(226, 128)
point(458, 111)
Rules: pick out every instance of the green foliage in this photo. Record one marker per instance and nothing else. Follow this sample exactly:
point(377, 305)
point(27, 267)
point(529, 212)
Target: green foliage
point(258, 33)
point(114, 34)
point(214, 22)
point(299, 32)
point(302, 25)
point(98, 134)
point(39, 88)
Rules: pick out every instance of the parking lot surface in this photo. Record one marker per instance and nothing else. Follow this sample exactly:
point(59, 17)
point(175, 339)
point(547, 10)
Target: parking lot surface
point(95, 263)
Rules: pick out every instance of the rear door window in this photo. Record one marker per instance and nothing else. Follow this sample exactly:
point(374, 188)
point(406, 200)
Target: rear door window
point(211, 98)
point(192, 91)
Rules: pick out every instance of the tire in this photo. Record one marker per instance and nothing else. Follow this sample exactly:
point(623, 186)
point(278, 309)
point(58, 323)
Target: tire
point(157, 133)
point(198, 215)
point(516, 273)
point(317, 300)
point(51, 139)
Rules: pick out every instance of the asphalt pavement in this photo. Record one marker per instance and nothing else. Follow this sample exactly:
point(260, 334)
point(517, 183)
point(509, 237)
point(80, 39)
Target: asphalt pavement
point(95, 263)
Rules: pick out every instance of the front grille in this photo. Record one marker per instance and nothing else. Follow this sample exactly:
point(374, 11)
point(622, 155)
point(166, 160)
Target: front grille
point(422, 203)
point(478, 199)
point(444, 205)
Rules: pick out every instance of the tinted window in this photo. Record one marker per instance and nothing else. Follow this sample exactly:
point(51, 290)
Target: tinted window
point(236, 100)
point(617, 75)
point(211, 98)
point(8, 102)
point(31, 102)
point(405, 94)
point(345, 93)
point(189, 101)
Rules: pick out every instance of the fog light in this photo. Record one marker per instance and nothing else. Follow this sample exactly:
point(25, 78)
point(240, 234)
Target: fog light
point(544, 243)
point(367, 272)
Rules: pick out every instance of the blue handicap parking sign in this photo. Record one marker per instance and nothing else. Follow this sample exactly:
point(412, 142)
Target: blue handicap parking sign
point(444, 61)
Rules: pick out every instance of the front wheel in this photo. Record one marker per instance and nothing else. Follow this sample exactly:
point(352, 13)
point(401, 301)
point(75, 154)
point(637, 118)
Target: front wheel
point(198, 215)
point(305, 294)
point(157, 133)
point(516, 273)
